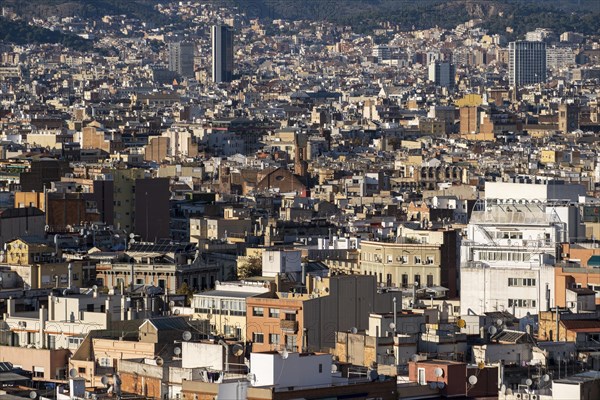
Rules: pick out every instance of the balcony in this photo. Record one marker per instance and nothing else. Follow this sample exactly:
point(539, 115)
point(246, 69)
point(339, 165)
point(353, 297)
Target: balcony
point(289, 326)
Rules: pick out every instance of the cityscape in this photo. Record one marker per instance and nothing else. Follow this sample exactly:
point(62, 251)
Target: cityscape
point(277, 200)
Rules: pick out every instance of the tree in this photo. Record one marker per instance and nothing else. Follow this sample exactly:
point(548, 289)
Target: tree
point(251, 266)
point(187, 291)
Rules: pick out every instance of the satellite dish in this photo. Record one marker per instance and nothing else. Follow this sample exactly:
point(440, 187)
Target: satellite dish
point(414, 357)
point(159, 361)
point(438, 372)
point(95, 287)
point(177, 351)
point(441, 385)
point(334, 368)
point(503, 389)
point(104, 380)
point(237, 350)
point(492, 330)
point(32, 394)
point(461, 323)
point(499, 322)
point(251, 377)
point(433, 385)
point(392, 326)
point(285, 354)
point(187, 335)
point(131, 235)
point(472, 380)
point(72, 372)
point(545, 377)
point(528, 382)
point(354, 330)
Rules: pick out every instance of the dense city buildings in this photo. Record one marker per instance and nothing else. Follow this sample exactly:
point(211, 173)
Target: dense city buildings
point(279, 201)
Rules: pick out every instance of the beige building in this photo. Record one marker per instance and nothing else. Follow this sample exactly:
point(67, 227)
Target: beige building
point(225, 307)
point(426, 259)
point(44, 364)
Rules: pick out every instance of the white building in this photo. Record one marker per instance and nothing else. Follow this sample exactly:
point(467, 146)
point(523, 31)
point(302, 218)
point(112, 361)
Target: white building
point(66, 321)
point(281, 261)
point(290, 369)
point(508, 257)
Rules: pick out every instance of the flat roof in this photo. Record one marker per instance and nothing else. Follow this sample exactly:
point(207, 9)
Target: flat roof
point(226, 293)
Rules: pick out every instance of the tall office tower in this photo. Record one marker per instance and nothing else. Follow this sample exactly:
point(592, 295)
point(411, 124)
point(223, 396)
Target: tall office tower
point(442, 74)
point(222, 53)
point(181, 58)
point(526, 62)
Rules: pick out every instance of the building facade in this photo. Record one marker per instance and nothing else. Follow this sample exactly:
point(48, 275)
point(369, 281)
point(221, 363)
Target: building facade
point(526, 63)
point(222, 53)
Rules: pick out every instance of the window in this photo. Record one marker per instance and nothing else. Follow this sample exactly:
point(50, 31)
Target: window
point(75, 342)
point(274, 338)
point(258, 311)
point(521, 303)
point(290, 316)
point(521, 282)
point(418, 280)
point(274, 312)
point(404, 280)
point(320, 368)
point(421, 376)
point(417, 259)
point(81, 370)
point(38, 372)
point(291, 342)
point(105, 362)
point(430, 280)
point(258, 337)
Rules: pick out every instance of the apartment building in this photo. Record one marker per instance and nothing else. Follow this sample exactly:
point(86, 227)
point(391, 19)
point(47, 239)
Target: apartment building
point(225, 306)
point(423, 259)
point(309, 320)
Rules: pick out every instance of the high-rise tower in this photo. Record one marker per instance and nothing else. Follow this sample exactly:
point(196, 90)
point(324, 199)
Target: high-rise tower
point(222, 53)
point(181, 58)
point(526, 62)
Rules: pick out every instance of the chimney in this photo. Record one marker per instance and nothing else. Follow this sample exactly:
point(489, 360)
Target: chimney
point(10, 306)
point(42, 325)
point(70, 269)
